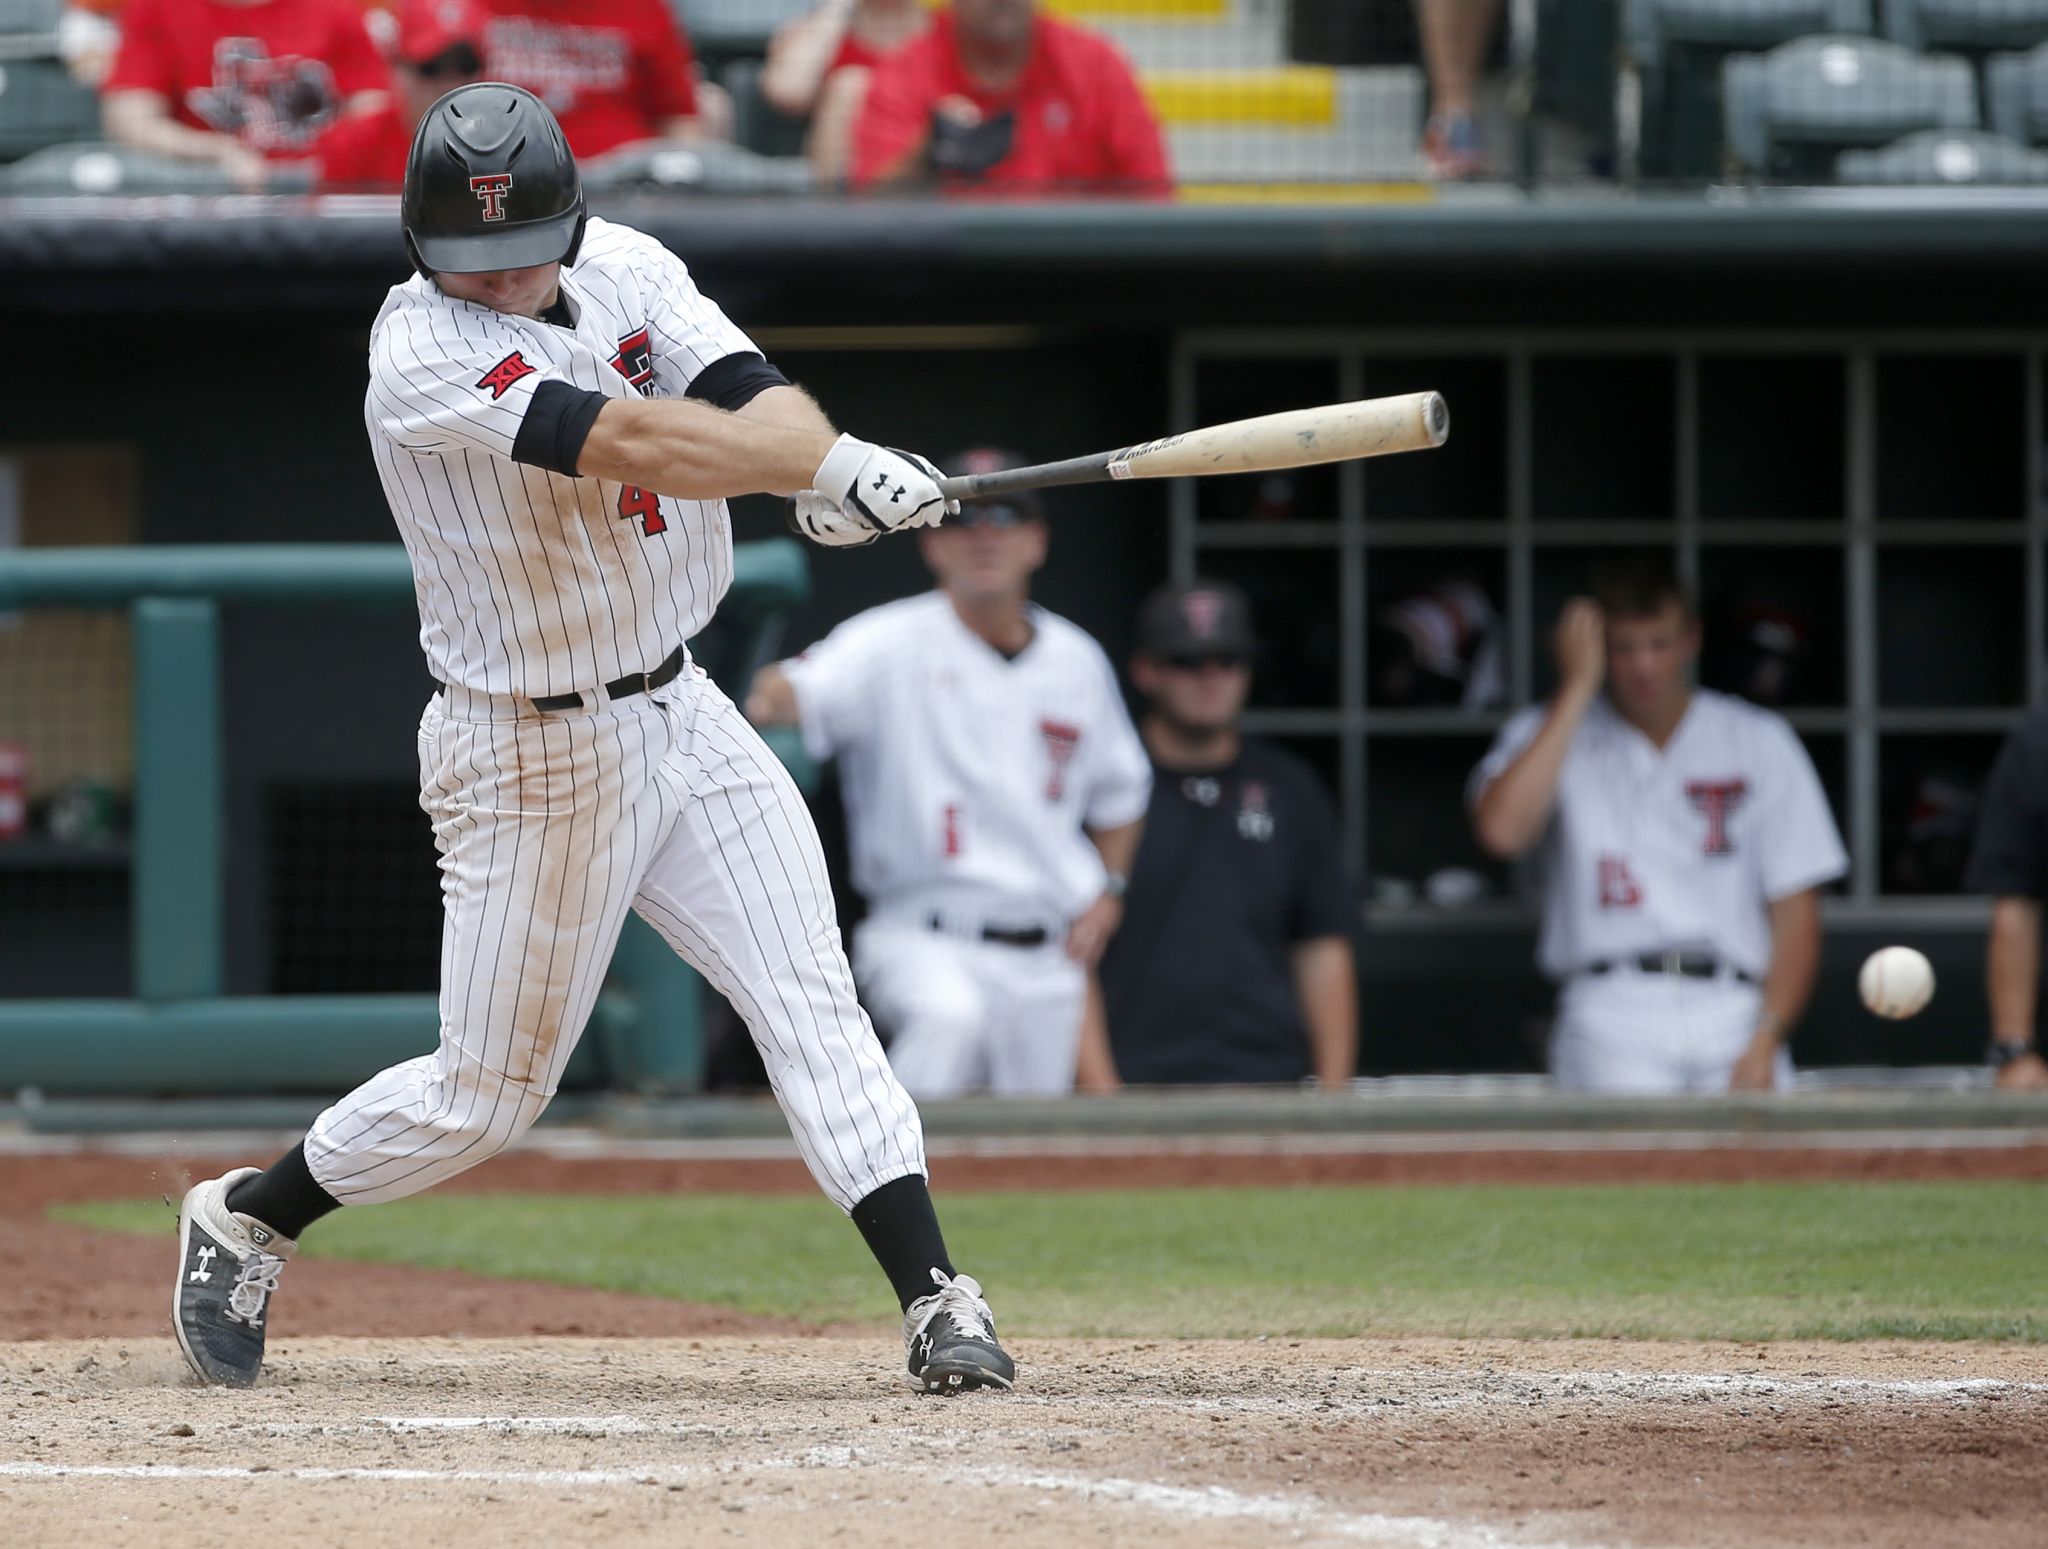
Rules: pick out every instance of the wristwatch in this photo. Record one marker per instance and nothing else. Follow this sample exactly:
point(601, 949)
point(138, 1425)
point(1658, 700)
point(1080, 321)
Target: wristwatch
point(2008, 1051)
point(1115, 883)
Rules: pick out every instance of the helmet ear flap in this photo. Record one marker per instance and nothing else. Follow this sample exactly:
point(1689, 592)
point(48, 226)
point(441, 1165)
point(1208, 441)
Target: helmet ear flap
point(419, 264)
point(576, 242)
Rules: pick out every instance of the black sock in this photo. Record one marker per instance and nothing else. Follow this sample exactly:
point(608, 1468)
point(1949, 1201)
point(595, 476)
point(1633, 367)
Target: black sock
point(283, 1196)
point(902, 1231)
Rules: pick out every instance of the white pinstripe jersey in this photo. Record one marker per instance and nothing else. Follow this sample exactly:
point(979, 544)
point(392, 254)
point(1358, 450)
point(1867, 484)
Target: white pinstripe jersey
point(530, 582)
point(968, 776)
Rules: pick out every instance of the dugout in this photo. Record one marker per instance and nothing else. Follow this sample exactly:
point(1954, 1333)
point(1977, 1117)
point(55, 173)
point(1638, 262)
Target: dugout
point(1829, 405)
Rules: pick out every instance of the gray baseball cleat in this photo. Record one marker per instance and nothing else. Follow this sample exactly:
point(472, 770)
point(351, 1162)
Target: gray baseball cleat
point(951, 1336)
point(227, 1268)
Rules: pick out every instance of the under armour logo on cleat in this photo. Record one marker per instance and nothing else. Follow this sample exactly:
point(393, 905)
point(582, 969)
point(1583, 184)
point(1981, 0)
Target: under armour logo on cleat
point(206, 1257)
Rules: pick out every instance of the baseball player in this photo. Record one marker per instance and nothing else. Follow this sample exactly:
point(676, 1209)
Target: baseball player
point(994, 793)
point(558, 415)
point(1684, 839)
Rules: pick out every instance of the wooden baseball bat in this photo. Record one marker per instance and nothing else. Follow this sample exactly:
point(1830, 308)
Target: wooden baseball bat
point(1298, 438)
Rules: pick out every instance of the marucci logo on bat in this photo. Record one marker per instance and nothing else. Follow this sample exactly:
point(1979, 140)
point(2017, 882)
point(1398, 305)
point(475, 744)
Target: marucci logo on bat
point(1120, 465)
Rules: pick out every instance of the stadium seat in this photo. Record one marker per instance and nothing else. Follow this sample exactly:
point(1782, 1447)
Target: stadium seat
point(756, 123)
point(1945, 157)
point(1789, 112)
point(1966, 26)
point(94, 167)
point(40, 105)
point(1673, 52)
point(708, 167)
point(723, 30)
point(2016, 95)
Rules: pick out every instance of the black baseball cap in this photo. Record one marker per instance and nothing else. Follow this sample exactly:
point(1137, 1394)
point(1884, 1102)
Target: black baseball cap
point(1196, 618)
point(1022, 505)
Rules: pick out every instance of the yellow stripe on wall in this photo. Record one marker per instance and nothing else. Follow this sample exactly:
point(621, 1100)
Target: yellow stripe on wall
point(1302, 96)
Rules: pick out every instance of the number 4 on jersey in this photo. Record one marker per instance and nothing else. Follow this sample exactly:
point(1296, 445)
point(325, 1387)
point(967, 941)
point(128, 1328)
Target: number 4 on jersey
point(645, 505)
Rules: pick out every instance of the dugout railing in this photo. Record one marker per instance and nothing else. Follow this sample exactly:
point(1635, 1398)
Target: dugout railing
point(179, 1033)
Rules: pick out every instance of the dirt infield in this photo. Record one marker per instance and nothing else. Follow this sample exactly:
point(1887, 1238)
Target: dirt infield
point(772, 1441)
point(689, 1425)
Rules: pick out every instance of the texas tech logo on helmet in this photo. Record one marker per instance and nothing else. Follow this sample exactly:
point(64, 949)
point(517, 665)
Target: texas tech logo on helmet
point(490, 190)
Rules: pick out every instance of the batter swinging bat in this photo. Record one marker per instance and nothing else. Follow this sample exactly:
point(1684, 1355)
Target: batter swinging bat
point(1371, 427)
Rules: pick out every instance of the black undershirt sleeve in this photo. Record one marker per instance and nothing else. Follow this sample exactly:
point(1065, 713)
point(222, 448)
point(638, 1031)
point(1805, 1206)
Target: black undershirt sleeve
point(734, 381)
point(557, 423)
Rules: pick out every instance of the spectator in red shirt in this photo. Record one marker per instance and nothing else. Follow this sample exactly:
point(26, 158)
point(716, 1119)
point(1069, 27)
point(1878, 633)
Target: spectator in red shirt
point(818, 68)
point(238, 82)
point(439, 46)
point(996, 95)
point(613, 71)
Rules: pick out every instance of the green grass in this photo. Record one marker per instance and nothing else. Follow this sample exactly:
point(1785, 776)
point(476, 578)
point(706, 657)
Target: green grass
point(1733, 1261)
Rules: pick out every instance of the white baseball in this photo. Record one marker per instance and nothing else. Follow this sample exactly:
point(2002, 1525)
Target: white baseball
point(1896, 982)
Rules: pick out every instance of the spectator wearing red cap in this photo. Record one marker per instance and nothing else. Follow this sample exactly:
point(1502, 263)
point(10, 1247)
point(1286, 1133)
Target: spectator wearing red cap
point(995, 95)
point(438, 47)
point(612, 71)
point(818, 68)
point(238, 82)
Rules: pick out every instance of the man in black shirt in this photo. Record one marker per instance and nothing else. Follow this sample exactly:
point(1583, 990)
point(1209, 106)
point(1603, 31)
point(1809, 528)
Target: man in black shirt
point(2010, 862)
point(1234, 963)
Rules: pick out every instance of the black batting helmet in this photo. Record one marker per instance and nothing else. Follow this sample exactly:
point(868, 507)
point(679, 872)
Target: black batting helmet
point(490, 184)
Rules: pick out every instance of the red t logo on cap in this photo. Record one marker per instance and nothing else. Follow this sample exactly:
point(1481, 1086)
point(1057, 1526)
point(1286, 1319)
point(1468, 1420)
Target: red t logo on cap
point(490, 189)
point(1203, 609)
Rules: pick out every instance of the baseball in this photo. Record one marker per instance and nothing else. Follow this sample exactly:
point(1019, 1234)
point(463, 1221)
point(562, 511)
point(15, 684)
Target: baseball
point(1896, 982)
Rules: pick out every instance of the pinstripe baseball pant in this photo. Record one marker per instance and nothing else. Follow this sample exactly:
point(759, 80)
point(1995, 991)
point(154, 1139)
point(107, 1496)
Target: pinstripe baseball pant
point(550, 827)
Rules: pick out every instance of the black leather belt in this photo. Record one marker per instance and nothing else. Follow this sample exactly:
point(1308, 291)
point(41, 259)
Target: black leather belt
point(619, 688)
point(1006, 936)
point(1687, 965)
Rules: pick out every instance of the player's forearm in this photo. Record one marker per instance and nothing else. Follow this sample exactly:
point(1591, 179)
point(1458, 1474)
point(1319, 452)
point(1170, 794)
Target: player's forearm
point(790, 407)
point(1118, 847)
point(1795, 962)
point(1511, 813)
point(771, 699)
point(1326, 987)
point(142, 120)
point(2012, 968)
point(692, 451)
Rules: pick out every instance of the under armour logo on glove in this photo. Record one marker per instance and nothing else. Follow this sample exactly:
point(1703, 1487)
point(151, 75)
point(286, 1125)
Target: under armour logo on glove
point(854, 473)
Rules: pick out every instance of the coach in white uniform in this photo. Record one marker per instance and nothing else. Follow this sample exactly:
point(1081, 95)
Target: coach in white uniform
point(994, 791)
point(1683, 838)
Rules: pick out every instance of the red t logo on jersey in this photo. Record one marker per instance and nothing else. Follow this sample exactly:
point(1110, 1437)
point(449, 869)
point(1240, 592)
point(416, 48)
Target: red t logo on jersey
point(1060, 742)
point(1718, 799)
point(635, 360)
point(501, 376)
point(1618, 886)
point(490, 189)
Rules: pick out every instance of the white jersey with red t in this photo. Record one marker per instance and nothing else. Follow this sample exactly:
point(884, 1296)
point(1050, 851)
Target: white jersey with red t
point(1655, 850)
point(969, 776)
point(530, 582)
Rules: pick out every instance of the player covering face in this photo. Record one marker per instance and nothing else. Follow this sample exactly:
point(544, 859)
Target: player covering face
point(1683, 839)
point(557, 415)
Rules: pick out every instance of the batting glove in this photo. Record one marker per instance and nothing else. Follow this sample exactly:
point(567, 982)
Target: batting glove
point(821, 519)
point(888, 489)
